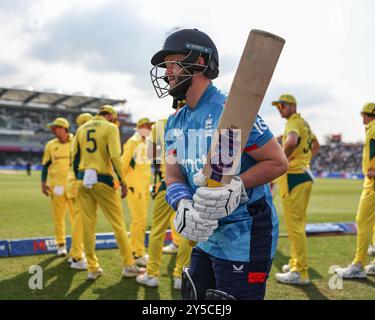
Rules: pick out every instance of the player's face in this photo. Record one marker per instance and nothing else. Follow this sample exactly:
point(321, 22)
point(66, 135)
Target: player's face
point(284, 109)
point(174, 72)
point(366, 119)
point(59, 132)
point(144, 129)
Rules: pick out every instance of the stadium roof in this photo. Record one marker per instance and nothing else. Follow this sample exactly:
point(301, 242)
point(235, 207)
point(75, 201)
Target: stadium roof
point(53, 100)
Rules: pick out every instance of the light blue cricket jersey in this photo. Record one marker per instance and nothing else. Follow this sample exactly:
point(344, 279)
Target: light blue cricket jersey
point(250, 233)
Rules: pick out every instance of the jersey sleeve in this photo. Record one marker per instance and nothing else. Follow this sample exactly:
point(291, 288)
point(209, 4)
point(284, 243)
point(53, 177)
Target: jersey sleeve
point(169, 137)
point(372, 149)
point(127, 156)
point(114, 150)
point(259, 136)
point(76, 154)
point(292, 126)
point(46, 162)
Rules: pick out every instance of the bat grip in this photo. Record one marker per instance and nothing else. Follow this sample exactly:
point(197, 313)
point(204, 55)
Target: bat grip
point(210, 184)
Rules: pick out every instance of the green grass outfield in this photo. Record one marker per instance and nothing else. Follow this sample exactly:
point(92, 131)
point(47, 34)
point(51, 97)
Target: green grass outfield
point(25, 212)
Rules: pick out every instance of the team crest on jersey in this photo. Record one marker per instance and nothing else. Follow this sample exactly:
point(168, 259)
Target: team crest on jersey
point(208, 126)
point(178, 133)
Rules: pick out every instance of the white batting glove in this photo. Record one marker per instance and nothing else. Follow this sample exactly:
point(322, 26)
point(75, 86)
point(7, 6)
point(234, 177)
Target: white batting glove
point(217, 203)
point(190, 225)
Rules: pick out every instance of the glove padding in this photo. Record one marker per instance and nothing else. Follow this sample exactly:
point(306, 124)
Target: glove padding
point(217, 203)
point(190, 225)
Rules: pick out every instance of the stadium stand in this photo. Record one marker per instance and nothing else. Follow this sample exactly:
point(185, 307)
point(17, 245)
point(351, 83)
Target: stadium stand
point(25, 113)
point(338, 157)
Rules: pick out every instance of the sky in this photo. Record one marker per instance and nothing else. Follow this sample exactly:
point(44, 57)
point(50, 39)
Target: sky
point(104, 48)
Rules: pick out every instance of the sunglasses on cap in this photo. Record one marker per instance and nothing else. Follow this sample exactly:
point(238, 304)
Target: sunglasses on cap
point(282, 106)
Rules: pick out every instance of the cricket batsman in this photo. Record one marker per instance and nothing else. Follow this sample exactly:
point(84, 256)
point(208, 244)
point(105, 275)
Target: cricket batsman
point(237, 236)
point(76, 255)
point(136, 169)
point(161, 218)
point(56, 164)
point(366, 209)
point(96, 159)
point(299, 145)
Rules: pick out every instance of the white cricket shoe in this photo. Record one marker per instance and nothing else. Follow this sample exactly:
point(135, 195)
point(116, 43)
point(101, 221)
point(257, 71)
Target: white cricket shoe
point(353, 271)
point(371, 250)
point(370, 269)
point(170, 249)
point(291, 277)
point(148, 281)
point(285, 268)
point(132, 271)
point(61, 251)
point(141, 261)
point(95, 275)
point(79, 265)
point(177, 283)
point(70, 260)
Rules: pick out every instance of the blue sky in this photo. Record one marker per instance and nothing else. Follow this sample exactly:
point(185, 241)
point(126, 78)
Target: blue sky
point(103, 47)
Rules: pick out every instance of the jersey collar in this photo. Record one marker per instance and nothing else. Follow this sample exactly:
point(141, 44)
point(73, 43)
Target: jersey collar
point(210, 90)
point(370, 125)
point(294, 116)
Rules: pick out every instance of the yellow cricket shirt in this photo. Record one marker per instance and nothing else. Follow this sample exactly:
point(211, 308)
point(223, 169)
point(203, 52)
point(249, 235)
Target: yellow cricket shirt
point(301, 157)
point(56, 161)
point(97, 146)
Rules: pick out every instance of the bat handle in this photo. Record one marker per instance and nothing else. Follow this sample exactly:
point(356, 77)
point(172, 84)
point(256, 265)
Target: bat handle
point(211, 184)
point(192, 243)
point(214, 184)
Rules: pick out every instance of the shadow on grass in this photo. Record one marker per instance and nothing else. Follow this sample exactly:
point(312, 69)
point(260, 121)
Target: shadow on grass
point(175, 294)
point(367, 282)
point(311, 290)
point(126, 289)
point(58, 277)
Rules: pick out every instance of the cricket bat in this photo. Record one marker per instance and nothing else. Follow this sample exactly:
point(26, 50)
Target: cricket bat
point(250, 83)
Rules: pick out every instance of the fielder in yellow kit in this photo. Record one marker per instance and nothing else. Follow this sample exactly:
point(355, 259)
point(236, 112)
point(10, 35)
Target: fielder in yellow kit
point(366, 210)
point(136, 169)
point(299, 145)
point(77, 259)
point(96, 157)
point(56, 163)
point(161, 219)
point(371, 248)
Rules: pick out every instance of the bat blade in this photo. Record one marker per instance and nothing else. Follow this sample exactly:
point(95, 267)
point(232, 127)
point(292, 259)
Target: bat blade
point(252, 78)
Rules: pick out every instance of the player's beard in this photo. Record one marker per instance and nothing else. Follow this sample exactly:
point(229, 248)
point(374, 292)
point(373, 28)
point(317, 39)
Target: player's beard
point(181, 86)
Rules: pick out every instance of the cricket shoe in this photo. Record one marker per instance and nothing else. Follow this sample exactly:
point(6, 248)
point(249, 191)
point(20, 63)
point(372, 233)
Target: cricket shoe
point(132, 271)
point(371, 250)
point(177, 283)
point(79, 264)
point(61, 251)
point(141, 261)
point(370, 269)
point(353, 271)
point(148, 281)
point(291, 277)
point(170, 249)
point(95, 275)
point(285, 268)
point(70, 260)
